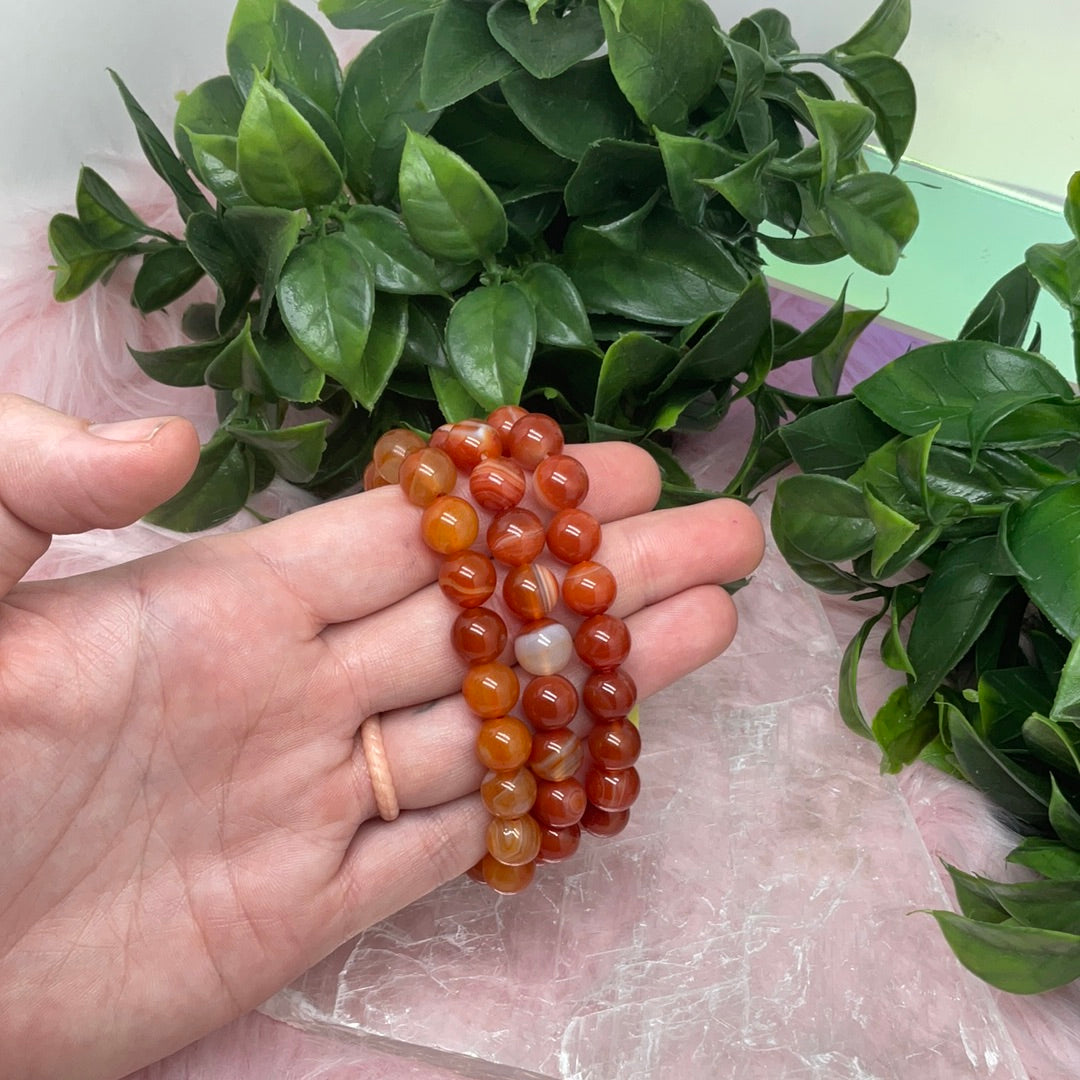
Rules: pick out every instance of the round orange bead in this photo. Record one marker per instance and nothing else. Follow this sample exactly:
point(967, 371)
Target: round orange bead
point(392, 449)
point(558, 844)
point(559, 804)
point(439, 436)
point(589, 588)
point(550, 701)
point(497, 483)
point(513, 841)
point(449, 525)
point(573, 536)
point(479, 635)
point(467, 578)
point(426, 474)
point(471, 441)
point(533, 438)
point(503, 744)
point(515, 536)
point(560, 482)
point(476, 871)
point(603, 642)
point(490, 690)
point(372, 479)
point(612, 790)
point(615, 744)
point(531, 591)
point(556, 755)
point(503, 419)
point(604, 822)
point(507, 879)
point(609, 694)
point(509, 794)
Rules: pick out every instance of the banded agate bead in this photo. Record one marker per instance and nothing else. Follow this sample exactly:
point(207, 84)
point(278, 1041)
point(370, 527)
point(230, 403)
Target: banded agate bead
point(612, 790)
point(609, 694)
point(490, 690)
point(550, 702)
point(468, 578)
point(573, 536)
point(426, 474)
point(531, 591)
point(533, 438)
point(615, 744)
point(391, 449)
point(589, 588)
point(479, 635)
point(513, 841)
point(556, 755)
point(439, 436)
point(558, 844)
point(559, 804)
point(503, 419)
point(503, 743)
point(372, 479)
point(497, 483)
point(560, 482)
point(543, 647)
point(509, 794)
point(604, 822)
point(506, 879)
point(449, 525)
point(603, 642)
point(515, 536)
point(469, 442)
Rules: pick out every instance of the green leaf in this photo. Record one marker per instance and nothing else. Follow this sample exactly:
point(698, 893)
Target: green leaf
point(551, 108)
point(490, 339)
point(560, 314)
point(215, 158)
point(373, 14)
point(842, 128)
point(1072, 204)
point(874, 216)
point(1056, 267)
point(614, 173)
point(449, 208)
point(183, 365)
point(828, 365)
point(834, 440)
point(543, 42)
point(79, 262)
point(385, 344)
point(884, 32)
point(214, 251)
point(280, 158)
point(461, 56)
point(276, 35)
point(380, 101)
point(634, 363)
point(212, 108)
point(824, 517)
point(326, 298)
point(1064, 817)
point(293, 376)
point(1053, 744)
point(884, 86)
point(107, 221)
point(749, 70)
point(665, 56)
point(1004, 313)
point(455, 402)
point(776, 27)
point(1051, 858)
point(1066, 707)
point(1045, 542)
point(239, 367)
point(397, 263)
point(847, 700)
point(686, 161)
point(294, 452)
point(816, 337)
point(264, 237)
point(805, 250)
point(743, 188)
point(164, 276)
point(893, 650)
point(821, 575)
point(217, 490)
point(893, 532)
point(976, 897)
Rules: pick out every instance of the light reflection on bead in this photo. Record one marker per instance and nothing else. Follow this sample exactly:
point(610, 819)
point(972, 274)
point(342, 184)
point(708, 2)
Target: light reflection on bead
point(573, 536)
point(559, 803)
point(490, 689)
point(513, 841)
point(533, 438)
point(426, 474)
point(497, 483)
point(612, 790)
point(558, 844)
point(531, 591)
point(469, 442)
point(392, 449)
point(609, 694)
point(556, 755)
point(503, 743)
point(550, 702)
point(449, 525)
point(479, 635)
point(468, 578)
point(603, 642)
point(589, 588)
point(543, 647)
point(507, 879)
point(509, 794)
point(515, 536)
point(615, 744)
point(560, 482)
point(503, 419)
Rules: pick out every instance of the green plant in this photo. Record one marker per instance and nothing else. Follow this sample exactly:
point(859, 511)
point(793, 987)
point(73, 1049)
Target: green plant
point(557, 201)
point(946, 491)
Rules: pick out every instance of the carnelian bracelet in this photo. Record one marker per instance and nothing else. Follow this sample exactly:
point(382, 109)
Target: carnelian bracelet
point(539, 789)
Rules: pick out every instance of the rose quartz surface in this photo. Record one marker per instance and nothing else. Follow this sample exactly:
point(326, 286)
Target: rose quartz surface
point(754, 921)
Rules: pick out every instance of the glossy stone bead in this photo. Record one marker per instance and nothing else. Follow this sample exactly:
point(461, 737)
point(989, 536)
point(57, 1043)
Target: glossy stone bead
point(507, 879)
point(469, 442)
point(372, 479)
point(573, 536)
point(560, 482)
point(609, 694)
point(509, 794)
point(604, 822)
point(559, 804)
point(503, 743)
point(589, 588)
point(479, 636)
point(476, 871)
point(549, 702)
point(503, 419)
point(497, 483)
point(515, 536)
point(439, 436)
point(531, 591)
point(392, 449)
point(449, 525)
point(556, 755)
point(468, 578)
point(426, 474)
point(603, 642)
point(612, 790)
point(513, 841)
point(490, 690)
point(558, 844)
point(533, 438)
point(544, 647)
point(615, 744)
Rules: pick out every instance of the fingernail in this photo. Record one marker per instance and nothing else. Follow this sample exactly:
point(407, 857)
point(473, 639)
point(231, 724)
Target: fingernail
point(141, 430)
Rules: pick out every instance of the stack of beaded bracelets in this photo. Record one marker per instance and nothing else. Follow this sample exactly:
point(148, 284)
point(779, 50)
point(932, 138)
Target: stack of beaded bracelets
point(538, 803)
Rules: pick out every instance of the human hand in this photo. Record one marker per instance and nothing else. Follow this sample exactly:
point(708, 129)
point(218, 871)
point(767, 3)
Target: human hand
point(188, 811)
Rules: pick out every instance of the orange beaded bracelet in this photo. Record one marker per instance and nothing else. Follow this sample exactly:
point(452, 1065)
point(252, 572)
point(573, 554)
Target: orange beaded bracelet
point(539, 790)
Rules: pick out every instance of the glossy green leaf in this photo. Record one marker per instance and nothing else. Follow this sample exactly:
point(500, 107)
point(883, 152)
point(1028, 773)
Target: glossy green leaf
point(447, 205)
point(776, 27)
point(164, 276)
point(1064, 817)
point(821, 575)
point(264, 237)
point(614, 173)
point(461, 56)
point(842, 127)
point(893, 532)
point(1056, 267)
point(215, 158)
point(217, 490)
point(824, 517)
point(546, 43)
point(295, 452)
point(748, 69)
point(490, 340)
point(182, 365)
point(212, 108)
point(884, 86)
point(215, 252)
point(834, 440)
point(884, 32)
point(281, 160)
point(805, 250)
point(665, 55)
point(276, 35)
point(78, 262)
point(975, 897)
point(455, 402)
point(874, 216)
point(1053, 743)
point(385, 344)
point(816, 337)
point(902, 731)
point(847, 699)
point(551, 108)
point(827, 366)
point(893, 649)
point(1007, 697)
point(293, 376)
point(397, 262)
point(373, 14)
point(1004, 313)
point(1051, 858)
point(560, 314)
point(239, 367)
point(686, 161)
point(107, 221)
point(326, 297)
point(743, 188)
point(1066, 707)
point(633, 364)
point(1072, 204)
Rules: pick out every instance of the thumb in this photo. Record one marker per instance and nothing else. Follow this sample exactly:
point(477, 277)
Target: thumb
point(59, 474)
